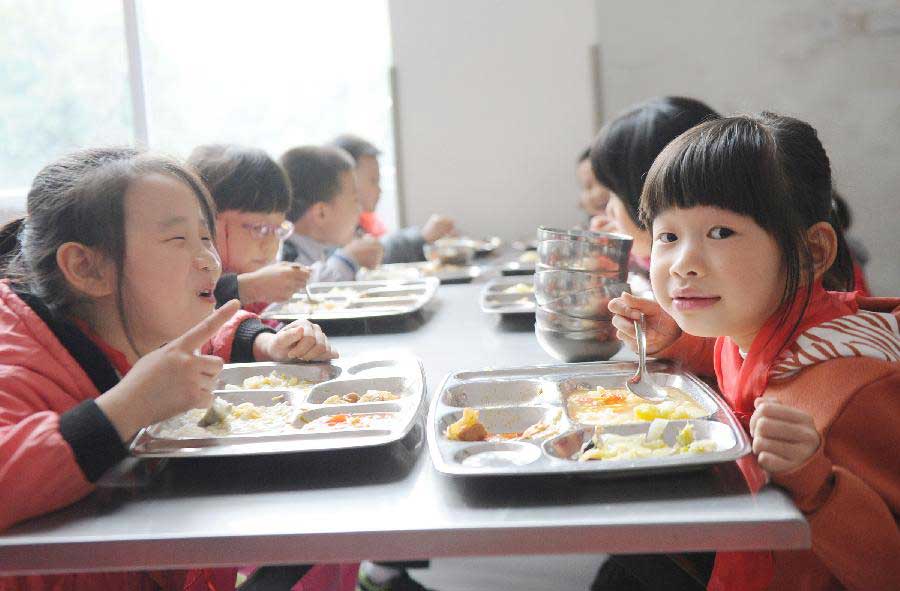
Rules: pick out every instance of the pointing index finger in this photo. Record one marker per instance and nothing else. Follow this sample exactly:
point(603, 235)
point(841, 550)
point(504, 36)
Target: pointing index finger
point(206, 328)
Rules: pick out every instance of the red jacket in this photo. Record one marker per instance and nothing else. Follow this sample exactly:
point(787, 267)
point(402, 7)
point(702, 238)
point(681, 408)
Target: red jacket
point(40, 380)
point(849, 490)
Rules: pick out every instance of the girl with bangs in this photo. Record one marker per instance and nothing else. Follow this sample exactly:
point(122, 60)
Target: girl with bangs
point(744, 233)
point(252, 196)
point(108, 323)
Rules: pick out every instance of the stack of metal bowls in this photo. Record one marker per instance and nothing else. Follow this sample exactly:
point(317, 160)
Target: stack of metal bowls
point(577, 274)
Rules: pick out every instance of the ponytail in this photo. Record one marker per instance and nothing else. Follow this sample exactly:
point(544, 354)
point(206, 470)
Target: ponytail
point(840, 276)
point(9, 242)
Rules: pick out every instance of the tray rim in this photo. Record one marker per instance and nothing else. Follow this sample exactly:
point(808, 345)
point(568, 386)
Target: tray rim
point(247, 447)
point(467, 273)
point(431, 284)
point(552, 466)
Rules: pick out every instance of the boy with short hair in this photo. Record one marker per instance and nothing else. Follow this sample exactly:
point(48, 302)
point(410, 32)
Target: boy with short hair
point(325, 211)
point(403, 246)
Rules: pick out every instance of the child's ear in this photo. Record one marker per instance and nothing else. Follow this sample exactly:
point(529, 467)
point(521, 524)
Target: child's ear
point(823, 246)
point(86, 270)
point(320, 211)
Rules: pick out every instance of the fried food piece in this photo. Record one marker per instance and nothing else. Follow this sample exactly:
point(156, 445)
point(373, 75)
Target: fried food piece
point(467, 428)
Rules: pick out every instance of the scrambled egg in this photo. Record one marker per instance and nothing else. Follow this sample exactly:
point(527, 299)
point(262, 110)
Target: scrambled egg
point(273, 380)
point(369, 396)
point(617, 406)
point(608, 446)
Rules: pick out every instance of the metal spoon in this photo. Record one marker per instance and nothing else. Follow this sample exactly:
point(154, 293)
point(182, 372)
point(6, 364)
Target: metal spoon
point(309, 296)
point(641, 384)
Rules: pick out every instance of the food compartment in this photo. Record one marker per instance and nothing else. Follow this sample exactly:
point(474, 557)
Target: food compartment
point(613, 404)
point(369, 418)
point(506, 300)
point(275, 376)
point(381, 303)
point(393, 292)
point(372, 366)
point(361, 391)
point(485, 393)
point(510, 286)
point(694, 441)
point(238, 413)
point(500, 424)
point(497, 455)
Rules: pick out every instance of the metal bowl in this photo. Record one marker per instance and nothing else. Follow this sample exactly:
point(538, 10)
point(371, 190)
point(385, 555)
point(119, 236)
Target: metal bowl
point(564, 323)
point(556, 283)
point(609, 258)
point(576, 234)
point(451, 251)
point(590, 304)
point(571, 347)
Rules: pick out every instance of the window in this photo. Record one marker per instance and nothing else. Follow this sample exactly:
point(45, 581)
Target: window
point(271, 74)
point(63, 85)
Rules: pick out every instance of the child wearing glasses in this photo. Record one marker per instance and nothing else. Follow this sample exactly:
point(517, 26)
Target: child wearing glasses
point(252, 196)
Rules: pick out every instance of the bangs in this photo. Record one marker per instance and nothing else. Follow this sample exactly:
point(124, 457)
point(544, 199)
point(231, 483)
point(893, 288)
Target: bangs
point(728, 163)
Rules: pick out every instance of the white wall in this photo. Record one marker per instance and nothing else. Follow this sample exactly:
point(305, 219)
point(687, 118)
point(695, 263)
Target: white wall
point(495, 105)
point(833, 64)
point(495, 96)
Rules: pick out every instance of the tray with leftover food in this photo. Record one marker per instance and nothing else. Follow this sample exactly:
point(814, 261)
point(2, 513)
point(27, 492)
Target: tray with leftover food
point(266, 408)
point(355, 300)
point(578, 419)
point(445, 273)
point(508, 296)
point(524, 264)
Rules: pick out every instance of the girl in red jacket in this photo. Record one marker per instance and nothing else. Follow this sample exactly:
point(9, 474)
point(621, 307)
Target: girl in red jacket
point(108, 325)
point(744, 231)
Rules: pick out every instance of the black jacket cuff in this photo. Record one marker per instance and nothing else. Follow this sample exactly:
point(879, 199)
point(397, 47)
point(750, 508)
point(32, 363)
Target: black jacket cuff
point(93, 439)
point(226, 289)
point(242, 346)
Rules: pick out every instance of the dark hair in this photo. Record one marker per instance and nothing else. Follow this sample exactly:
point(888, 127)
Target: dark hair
point(355, 146)
point(243, 179)
point(626, 146)
point(768, 167)
point(584, 155)
point(81, 198)
point(315, 175)
point(841, 211)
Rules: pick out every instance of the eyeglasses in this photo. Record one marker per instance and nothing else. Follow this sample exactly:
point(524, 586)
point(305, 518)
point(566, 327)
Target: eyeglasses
point(260, 231)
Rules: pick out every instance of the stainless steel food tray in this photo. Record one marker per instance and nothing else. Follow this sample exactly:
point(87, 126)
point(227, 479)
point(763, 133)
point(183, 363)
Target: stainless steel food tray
point(496, 299)
point(518, 268)
point(487, 246)
point(510, 400)
point(365, 299)
point(402, 375)
point(443, 273)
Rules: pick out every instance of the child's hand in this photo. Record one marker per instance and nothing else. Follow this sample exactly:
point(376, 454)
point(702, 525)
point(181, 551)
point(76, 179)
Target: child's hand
point(277, 282)
point(661, 329)
point(170, 380)
point(437, 227)
point(601, 223)
point(366, 251)
point(299, 340)
point(783, 437)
